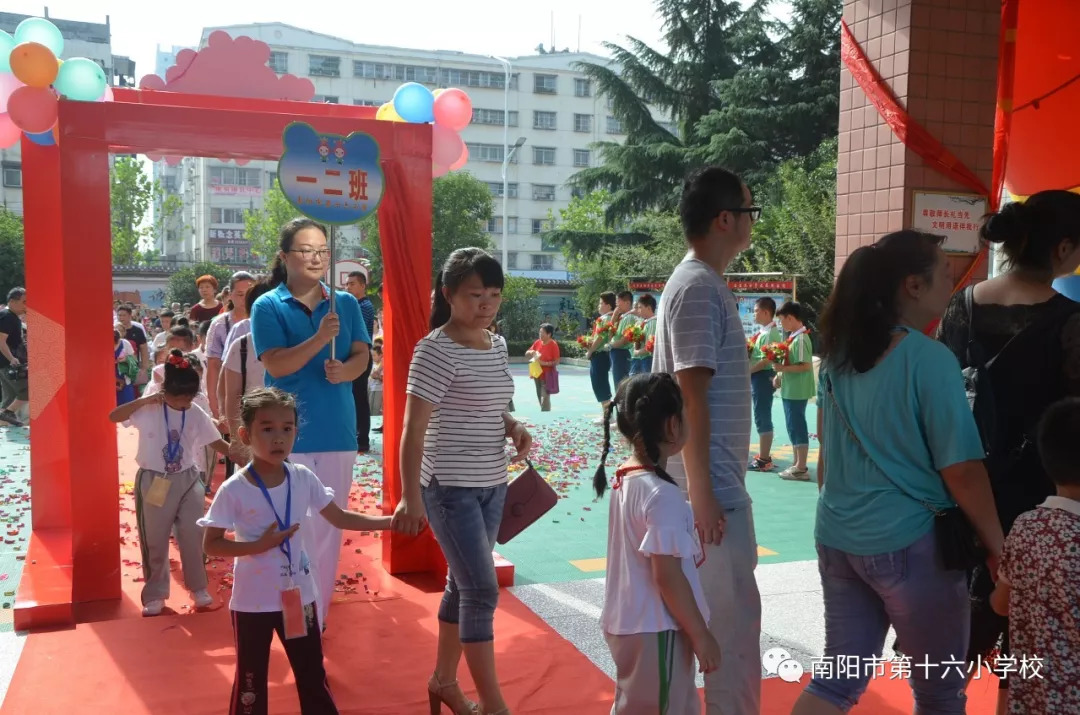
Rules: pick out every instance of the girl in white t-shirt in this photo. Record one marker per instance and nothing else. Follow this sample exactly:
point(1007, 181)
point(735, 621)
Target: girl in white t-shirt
point(655, 618)
point(273, 587)
point(168, 491)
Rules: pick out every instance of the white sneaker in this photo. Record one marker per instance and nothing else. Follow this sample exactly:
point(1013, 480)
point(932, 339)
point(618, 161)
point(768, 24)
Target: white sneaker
point(202, 598)
point(153, 608)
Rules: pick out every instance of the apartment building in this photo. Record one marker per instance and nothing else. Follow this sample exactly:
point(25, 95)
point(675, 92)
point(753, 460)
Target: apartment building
point(551, 105)
point(81, 39)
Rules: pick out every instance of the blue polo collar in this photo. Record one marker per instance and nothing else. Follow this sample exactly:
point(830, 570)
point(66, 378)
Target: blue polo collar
point(284, 295)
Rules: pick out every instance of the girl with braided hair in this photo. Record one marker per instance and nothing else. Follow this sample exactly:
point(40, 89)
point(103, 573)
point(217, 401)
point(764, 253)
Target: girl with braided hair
point(655, 617)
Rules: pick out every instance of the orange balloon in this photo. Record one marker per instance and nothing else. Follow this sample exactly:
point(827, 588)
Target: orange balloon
point(34, 64)
point(56, 133)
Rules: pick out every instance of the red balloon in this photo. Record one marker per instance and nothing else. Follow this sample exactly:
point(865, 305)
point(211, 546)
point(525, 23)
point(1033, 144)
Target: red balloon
point(453, 109)
point(1044, 146)
point(446, 145)
point(9, 133)
point(33, 109)
point(462, 161)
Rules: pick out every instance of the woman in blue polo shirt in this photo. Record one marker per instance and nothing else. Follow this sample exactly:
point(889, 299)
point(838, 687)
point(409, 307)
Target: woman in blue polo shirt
point(291, 328)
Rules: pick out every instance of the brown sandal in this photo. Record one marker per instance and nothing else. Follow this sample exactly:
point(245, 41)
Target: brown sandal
point(437, 697)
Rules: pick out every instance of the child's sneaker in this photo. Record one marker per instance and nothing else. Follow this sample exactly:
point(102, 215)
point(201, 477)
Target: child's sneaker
point(202, 598)
point(760, 464)
point(794, 475)
point(153, 608)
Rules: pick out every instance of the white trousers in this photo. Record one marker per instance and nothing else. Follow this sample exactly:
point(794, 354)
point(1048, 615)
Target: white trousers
point(322, 542)
point(727, 578)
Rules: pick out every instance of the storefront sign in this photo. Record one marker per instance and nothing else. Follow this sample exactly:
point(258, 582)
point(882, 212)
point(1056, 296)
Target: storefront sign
point(233, 236)
point(233, 190)
point(957, 217)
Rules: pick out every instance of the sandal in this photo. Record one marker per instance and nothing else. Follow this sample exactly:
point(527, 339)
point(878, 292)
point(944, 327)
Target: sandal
point(437, 697)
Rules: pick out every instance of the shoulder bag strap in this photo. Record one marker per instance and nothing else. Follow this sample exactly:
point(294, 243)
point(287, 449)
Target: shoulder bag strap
point(855, 438)
point(243, 364)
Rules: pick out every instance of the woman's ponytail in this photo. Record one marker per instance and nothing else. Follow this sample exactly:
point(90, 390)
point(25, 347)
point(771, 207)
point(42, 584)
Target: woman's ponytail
point(278, 274)
point(440, 307)
point(600, 480)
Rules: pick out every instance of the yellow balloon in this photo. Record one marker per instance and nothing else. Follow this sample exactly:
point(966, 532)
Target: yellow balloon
point(437, 92)
point(387, 113)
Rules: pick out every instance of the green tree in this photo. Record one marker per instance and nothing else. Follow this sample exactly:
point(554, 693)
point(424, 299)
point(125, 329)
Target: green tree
point(181, 287)
point(262, 227)
point(519, 315)
point(130, 195)
point(12, 254)
point(460, 208)
point(741, 89)
point(797, 230)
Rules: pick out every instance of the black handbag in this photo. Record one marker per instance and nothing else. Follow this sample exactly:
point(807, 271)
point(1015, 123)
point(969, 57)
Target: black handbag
point(957, 544)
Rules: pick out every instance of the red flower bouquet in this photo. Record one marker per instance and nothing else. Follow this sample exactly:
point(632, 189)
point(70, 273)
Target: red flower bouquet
point(750, 343)
point(603, 326)
point(634, 334)
point(777, 352)
point(584, 341)
point(650, 344)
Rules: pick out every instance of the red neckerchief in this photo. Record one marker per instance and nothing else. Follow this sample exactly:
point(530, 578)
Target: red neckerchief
point(792, 337)
point(623, 471)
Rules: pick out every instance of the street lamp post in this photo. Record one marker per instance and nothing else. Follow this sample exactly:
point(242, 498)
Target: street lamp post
point(507, 152)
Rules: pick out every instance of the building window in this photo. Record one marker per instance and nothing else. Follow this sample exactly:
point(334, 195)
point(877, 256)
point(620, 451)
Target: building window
point(12, 174)
point(550, 245)
point(544, 83)
point(493, 117)
point(234, 176)
point(170, 234)
point(543, 120)
point(324, 66)
point(386, 71)
point(496, 188)
point(543, 192)
point(326, 99)
point(614, 126)
point(582, 122)
point(539, 225)
point(581, 157)
point(486, 152)
point(576, 192)
point(494, 224)
point(279, 62)
point(543, 262)
point(582, 87)
point(367, 103)
point(232, 216)
point(475, 78)
point(168, 182)
point(511, 260)
point(544, 155)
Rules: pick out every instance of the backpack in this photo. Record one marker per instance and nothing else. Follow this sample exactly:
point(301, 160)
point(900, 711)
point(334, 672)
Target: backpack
point(979, 379)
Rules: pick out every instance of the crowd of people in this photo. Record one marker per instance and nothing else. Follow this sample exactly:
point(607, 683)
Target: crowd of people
point(949, 503)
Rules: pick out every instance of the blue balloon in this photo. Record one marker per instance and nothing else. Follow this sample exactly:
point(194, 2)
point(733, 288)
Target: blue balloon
point(42, 139)
point(41, 31)
point(414, 103)
point(7, 44)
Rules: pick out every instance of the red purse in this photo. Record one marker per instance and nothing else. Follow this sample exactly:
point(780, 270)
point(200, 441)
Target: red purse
point(528, 498)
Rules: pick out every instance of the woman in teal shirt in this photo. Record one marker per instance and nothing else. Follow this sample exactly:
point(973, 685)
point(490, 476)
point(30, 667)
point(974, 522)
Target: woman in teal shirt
point(897, 438)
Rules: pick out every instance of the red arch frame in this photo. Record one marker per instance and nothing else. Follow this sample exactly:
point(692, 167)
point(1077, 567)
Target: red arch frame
point(74, 551)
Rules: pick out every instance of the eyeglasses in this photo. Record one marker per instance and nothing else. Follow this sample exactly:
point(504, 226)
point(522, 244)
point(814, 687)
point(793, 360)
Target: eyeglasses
point(307, 253)
point(754, 211)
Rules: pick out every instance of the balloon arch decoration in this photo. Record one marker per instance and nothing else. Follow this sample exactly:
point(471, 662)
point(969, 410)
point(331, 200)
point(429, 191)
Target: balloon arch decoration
point(74, 551)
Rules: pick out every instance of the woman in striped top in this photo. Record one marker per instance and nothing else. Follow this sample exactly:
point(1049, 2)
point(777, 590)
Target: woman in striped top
point(453, 466)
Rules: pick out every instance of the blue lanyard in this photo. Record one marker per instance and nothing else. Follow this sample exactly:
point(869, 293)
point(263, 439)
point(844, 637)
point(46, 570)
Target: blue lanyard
point(172, 449)
point(285, 547)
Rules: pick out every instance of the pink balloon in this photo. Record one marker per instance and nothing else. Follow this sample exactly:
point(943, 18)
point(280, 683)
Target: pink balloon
point(453, 109)
point(243, 162)
point(8, 84)
point(438, 170)
point(462, 161)
point(9, 133)
point(107, 95)
point(33, 109)
point(173, 160)
point(446, 145)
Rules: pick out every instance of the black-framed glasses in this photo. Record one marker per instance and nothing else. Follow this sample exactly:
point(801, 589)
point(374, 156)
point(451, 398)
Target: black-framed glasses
point(307, 253)
point(754, 211)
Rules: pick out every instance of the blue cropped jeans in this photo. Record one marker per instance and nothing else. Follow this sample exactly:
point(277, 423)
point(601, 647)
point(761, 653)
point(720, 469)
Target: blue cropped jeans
point(465, 521)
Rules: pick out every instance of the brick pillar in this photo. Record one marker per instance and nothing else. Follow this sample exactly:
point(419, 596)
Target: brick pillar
point(940, 59)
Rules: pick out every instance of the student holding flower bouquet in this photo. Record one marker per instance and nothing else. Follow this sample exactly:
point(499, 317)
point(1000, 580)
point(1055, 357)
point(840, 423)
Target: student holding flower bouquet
point(641, 353)
point(794, 360)
point(762, 374)
point(597, 351)
point(621, 345)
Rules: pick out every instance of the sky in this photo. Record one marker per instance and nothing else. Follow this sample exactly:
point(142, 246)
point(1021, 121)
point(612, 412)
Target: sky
point(478, 26)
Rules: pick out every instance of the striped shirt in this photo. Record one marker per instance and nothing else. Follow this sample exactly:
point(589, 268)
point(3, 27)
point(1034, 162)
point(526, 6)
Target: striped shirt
point(698, 325)
point(367, 311)
point(465, 443)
